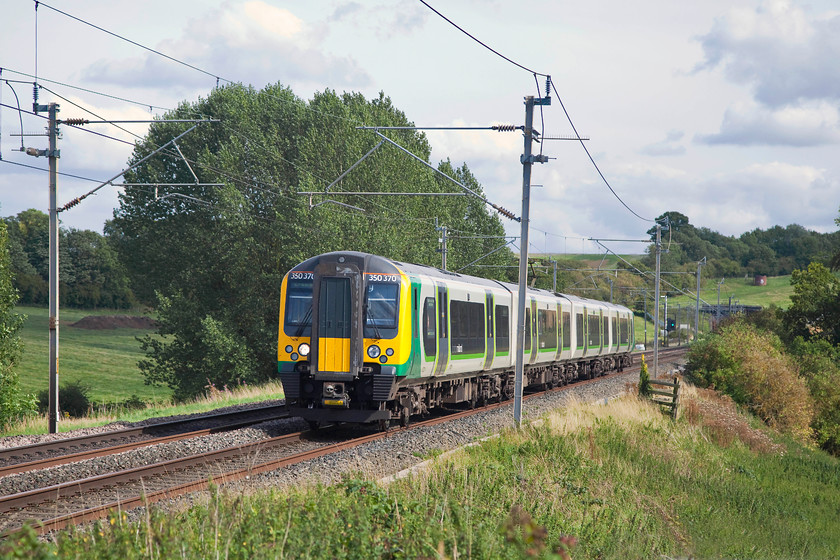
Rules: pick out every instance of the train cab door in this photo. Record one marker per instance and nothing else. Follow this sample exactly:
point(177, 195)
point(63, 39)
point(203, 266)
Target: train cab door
point(337, 328)
point(334, 325)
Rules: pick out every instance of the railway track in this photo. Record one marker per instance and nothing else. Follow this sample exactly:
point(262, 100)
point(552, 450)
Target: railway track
point(77, 501)
point(25, 458)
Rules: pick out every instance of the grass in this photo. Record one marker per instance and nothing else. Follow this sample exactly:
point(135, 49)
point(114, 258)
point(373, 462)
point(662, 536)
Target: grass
point(213, 400)
point(104, 360)
point(600, 481)
point(777, 292)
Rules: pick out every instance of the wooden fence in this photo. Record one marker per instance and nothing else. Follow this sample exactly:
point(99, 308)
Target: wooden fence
point(668, 399)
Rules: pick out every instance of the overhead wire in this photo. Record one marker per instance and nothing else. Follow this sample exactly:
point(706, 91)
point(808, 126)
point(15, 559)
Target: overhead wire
point(193, 67)
point(87, 90)
point(559, 99)
point(591, 159)
point(468, 34)
point(173, 59)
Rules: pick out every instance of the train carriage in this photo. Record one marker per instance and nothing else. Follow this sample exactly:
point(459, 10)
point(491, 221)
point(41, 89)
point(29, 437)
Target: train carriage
point(363, 338)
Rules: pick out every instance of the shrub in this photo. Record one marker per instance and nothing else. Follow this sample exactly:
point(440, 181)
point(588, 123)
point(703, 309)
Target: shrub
point(751, 366)
point(73, 398)
point(819, 362)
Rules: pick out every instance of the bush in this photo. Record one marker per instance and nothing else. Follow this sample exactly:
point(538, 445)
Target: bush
point(750, 365)
point(72, 398)
point(819, 362)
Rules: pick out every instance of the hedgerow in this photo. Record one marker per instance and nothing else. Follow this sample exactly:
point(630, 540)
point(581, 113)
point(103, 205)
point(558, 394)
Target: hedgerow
point(751, 366)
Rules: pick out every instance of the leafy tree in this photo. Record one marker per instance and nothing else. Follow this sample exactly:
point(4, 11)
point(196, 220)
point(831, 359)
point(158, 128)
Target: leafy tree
point(89, 273)
point(834, 263)
point(12, 403)
point(211, 258)
point(815, 305)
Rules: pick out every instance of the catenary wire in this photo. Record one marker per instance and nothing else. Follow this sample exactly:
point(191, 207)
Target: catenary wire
point(572, 124)
point(468, 34)
point(86, 90)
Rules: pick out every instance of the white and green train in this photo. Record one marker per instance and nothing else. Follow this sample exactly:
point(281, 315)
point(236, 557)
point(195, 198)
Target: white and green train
point(364, 338)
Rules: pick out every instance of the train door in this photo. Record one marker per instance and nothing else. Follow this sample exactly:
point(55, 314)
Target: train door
point(490, 332)
point(443, 329)
point(533, 330)
point(429, 329)
point(334, 325)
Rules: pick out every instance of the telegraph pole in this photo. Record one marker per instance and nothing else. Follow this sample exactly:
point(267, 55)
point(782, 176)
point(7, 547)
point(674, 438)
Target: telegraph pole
point(53, 154)
point(700, 263)
point(527, 160)
point(656, 303)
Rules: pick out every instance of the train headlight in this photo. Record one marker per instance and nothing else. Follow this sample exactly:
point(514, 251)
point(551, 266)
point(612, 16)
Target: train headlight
point(289, 349)
point(303, 349)
point(294, 357)
point(389, 351)
point(373, 351)
point(383, 359)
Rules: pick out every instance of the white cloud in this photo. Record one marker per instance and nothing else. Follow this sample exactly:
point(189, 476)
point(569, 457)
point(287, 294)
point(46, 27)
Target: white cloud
point(668, 147)
point(252, 41)
point(785, 55)
point(747, 124)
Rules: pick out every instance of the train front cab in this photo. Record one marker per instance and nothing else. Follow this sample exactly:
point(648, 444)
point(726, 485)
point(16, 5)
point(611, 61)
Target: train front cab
point(340, 350)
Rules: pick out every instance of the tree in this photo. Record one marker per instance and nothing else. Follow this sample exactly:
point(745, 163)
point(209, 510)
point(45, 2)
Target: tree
point(834, 263)
point(90, 275)
point(12, 403)
point(211, 259)
point(815, 305)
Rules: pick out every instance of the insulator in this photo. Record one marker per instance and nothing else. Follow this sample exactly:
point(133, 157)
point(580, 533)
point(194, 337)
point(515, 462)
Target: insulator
point(72, 203)
point(75, 121)
point(548, 86)
point(504, 212)
point(504, 127)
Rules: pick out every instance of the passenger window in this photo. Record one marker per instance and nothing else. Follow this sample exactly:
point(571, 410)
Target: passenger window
point(502, 328)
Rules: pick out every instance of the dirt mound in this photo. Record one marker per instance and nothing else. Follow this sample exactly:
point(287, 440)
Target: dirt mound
point(102, 322)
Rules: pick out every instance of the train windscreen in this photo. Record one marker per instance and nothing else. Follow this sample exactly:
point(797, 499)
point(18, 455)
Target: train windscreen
point(381, 305)
point(298, 321)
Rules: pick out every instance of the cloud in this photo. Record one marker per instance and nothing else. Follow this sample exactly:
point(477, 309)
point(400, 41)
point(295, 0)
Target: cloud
point(785, 55)
point(753, 125)
point(384, 20)
point(667, 147)
point(252, 42)
point(759, 195)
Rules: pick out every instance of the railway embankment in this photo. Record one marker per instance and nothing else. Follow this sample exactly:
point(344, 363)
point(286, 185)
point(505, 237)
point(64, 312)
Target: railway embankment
point(592, 479)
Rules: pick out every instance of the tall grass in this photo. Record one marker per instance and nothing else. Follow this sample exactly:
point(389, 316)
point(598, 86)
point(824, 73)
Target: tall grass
point(614, 481)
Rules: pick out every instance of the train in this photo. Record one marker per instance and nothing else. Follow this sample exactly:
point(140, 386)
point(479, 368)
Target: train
point(367, 339)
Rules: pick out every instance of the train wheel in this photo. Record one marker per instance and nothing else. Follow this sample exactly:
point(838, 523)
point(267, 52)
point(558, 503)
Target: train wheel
point(384, 425)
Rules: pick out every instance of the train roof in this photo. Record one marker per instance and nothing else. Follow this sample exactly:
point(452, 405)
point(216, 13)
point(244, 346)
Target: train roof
point(434, 272)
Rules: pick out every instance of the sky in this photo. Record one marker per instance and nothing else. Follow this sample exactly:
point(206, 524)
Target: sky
point(723, 110)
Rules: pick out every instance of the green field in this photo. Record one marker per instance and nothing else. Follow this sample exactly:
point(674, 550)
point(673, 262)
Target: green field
point(777, 292)
point(105, 360)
